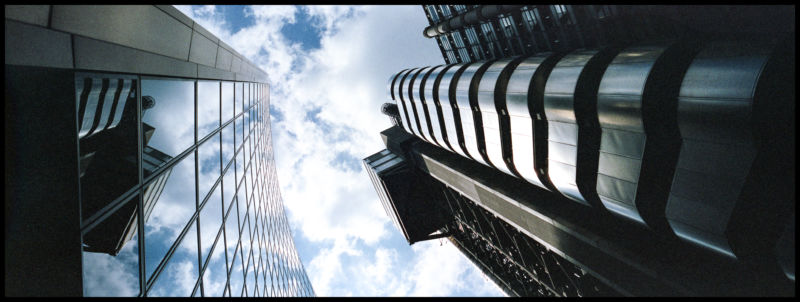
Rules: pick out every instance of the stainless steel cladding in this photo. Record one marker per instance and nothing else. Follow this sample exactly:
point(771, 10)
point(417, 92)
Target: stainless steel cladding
point(527, 127)
point(638, 143)
point(421, 102)
point(466, 96)
point(494, 117)
point(414, 78)
point(450, 115)
point(716, 119)
point(397, 94)
point(675, 136)
point(570, 99)
point(430, 91)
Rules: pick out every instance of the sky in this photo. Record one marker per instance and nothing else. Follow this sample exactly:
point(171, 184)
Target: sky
point(328, 69)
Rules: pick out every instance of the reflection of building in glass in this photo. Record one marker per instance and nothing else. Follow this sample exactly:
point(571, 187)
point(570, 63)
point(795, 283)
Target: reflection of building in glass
point(122, 112)
point(601, 150)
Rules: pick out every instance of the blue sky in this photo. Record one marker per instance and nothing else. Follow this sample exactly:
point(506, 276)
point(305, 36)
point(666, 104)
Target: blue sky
point(328, 67)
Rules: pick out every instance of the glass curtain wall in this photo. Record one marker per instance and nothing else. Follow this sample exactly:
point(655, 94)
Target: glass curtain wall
point(201, 174)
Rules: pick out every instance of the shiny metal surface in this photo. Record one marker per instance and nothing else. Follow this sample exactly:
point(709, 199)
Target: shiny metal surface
point(435, 123)
point(450, 112)
point(411, 91)
point(622, 142)
point(420, 102)
point(492, 87)
point(570, 91)
point(523, 101)
point(715, 110)
point(465, 94)
point(399, 98)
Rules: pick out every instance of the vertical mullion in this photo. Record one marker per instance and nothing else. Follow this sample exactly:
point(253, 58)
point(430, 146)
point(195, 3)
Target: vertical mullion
point(140, 201)
point(197, 197)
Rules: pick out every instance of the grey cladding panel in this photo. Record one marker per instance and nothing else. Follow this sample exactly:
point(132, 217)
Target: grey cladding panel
point(35, 46)
point(33, 14)
point(203, 50)
point(224, 59)
point(137, 26)
point(95, 55)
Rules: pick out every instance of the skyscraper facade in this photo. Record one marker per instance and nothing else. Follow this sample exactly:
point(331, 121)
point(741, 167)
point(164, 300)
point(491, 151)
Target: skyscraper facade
point(633, 145)
point(139, 160)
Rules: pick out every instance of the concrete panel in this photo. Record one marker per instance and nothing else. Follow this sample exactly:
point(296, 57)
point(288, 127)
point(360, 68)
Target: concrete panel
point(97, 55)
point(36, 46)
point(33, 14)
point(213, 73)
point(175, 13)
point(138, 26)
point(224, 58)
point(203, 51)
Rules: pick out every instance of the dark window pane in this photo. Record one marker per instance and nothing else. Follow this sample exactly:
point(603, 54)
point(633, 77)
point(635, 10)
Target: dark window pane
point(111, 254)
point(167, 119)
point(169, 203)
point(227, 101)
point(107, 139)
point(208, 101)
point(180, 275)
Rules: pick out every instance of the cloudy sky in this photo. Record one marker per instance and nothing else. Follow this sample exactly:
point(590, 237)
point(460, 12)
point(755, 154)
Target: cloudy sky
point(328, 68)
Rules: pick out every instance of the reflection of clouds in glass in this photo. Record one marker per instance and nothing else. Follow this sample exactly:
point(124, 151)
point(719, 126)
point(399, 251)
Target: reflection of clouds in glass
point(227, 101)
point(105, 275)
point(179, 276)
point(172, 211)
point(210, 221)
point(214, 277)
point(227, 144)
point(208, 98)
point(208, 155)
point(172, 115)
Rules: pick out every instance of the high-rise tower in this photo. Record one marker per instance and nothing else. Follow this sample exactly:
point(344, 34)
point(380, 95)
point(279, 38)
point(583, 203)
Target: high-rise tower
point(139, 160)
point(602, 150)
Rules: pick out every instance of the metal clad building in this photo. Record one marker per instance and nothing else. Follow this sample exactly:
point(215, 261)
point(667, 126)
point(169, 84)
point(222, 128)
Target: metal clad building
point(637, 144)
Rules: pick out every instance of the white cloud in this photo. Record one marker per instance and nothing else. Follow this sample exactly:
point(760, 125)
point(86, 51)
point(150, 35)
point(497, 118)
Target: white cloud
point(328, 100)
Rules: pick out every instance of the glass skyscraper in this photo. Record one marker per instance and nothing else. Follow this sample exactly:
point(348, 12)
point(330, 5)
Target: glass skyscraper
point(148, 141)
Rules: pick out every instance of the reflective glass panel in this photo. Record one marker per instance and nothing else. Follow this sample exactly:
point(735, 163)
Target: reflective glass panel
point(208, 164)
point(208, 101)
point(248, 92)
point(227, 101)
point(237, 275)
point(239, 127)
point(210, 222)
point(180, 275)
point(238, 96)
point(214, 277)
point(107, 138)
point(227, 144)
point(242, 207)
point(232, 231)
point(111, 255)
point(170, 210)
point(228, 188)
point(167, 119)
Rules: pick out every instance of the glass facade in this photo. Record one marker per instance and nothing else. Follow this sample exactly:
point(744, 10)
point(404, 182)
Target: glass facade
point(202, 176)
